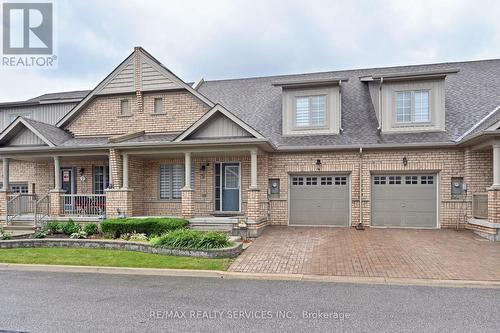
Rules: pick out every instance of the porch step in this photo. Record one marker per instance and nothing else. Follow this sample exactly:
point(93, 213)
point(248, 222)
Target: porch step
point(213, 223)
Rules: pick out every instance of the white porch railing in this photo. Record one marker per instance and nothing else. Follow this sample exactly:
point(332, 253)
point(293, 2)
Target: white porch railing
point(480, 205)
point(20, 204)
point(83, 204)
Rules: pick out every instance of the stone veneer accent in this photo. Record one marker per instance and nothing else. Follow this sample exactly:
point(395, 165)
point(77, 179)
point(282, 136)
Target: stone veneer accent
point(229, 252)
point(102, 117)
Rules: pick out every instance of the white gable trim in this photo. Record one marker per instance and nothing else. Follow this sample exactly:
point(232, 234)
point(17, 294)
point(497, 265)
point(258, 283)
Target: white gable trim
point(20, 122)
point(153, 62)
point(207, 116)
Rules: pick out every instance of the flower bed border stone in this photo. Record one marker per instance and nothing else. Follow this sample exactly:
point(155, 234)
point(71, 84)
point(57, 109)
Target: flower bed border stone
point(228, 252)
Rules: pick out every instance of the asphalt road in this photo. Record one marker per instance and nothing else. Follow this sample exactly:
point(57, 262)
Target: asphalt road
point(84, 302)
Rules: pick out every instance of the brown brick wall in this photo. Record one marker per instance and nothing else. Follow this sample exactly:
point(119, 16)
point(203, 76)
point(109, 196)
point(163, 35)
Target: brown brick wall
point(102, 117)
point(447, 163)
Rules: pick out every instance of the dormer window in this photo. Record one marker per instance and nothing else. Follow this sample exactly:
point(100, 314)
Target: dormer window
point(311, 107)
point(412, 106)
point(310, 111)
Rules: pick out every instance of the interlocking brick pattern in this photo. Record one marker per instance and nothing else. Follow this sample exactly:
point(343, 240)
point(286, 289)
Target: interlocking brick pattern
point(390, 253)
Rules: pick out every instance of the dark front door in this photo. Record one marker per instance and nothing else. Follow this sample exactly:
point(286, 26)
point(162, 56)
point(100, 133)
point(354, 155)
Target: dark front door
point(68, 185)
point(67, 180)
point(227, 187)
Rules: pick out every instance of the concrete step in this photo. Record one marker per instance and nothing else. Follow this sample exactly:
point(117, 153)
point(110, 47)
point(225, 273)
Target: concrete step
point(212, 227)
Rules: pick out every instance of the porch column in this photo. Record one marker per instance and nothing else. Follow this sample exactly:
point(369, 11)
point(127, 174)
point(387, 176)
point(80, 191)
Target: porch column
point(187, 170)
point(187, 207)
point(5, 185)
point(494, 191)
point(125, 171)
point(496, 166)
point(57, 173)
point(110, 172)
point(253, 205)
point(4, 192)
point(253, 170)
point(56, 201)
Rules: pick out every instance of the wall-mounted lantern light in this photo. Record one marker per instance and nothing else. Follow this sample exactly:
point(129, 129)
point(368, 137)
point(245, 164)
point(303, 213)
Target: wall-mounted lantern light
point(405, 161)
point(318, 164)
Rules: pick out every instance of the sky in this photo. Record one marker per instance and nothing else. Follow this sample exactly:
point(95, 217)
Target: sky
point(219, 39)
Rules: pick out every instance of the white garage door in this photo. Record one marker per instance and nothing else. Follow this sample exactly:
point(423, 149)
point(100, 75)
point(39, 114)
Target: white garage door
point(319, 200)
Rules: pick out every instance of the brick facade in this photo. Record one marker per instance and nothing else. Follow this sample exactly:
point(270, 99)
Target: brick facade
point(102, 117)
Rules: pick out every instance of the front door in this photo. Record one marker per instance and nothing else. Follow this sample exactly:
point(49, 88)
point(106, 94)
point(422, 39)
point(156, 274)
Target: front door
point(68, 185)
point(227, 187)
point(67, 180)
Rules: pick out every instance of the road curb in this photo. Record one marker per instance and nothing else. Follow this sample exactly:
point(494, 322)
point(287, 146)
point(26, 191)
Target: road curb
point(250, 276)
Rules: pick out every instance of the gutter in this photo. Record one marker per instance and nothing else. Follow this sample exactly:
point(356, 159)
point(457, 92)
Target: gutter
point(341, 129)
point(360, 225)
point(366, 146)
point(380, 104)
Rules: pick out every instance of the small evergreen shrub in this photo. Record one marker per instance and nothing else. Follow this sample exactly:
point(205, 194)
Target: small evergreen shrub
point(147, 226)
point(91, 229)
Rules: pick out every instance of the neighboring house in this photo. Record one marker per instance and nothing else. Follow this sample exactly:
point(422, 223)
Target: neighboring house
point(402, 143)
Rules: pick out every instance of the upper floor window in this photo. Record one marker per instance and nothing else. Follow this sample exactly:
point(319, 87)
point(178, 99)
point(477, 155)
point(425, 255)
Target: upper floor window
point(124, 107)
point(158, 105)
point(412, 106)
point(310, 111)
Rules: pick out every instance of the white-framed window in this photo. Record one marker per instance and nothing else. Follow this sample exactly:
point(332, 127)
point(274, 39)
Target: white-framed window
point(232, 177)
point(101, 178)
point(124, 107)
point(310, 111)
point(158, 105)
point(413, 106)
point(172, 181)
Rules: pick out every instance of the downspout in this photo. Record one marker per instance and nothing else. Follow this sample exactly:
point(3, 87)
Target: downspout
point(380, 104)
point(360, 225)
point(340, 106)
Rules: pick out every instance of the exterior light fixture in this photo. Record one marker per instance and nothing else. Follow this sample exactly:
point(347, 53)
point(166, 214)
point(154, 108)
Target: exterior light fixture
point(318, 164)
point(405, 161)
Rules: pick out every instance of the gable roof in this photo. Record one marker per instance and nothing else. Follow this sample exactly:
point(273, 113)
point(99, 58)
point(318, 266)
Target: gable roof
point(205, 119)
point(122, 79)
point(49, 134)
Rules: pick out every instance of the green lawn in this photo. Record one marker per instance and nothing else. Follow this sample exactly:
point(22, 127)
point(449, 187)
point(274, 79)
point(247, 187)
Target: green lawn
point(113, 258)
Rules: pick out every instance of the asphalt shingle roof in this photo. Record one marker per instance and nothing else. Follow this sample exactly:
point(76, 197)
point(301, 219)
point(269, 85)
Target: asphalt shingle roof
point(471, 94)
point(54, 134)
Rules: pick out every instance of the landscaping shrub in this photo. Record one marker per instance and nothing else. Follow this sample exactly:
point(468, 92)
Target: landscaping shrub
point(79, 235)
point(4, 236)
point(53, 227)
point(192, 239)
point(40, 234)
point(148, 226)
point(70, 227)
point(138, 237)
point(91, 229)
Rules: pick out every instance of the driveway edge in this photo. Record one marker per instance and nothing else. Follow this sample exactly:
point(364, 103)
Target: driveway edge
point(249, 276)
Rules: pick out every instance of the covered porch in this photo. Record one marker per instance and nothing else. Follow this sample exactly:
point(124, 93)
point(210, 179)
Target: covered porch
point(215, 186)
point(485, 216)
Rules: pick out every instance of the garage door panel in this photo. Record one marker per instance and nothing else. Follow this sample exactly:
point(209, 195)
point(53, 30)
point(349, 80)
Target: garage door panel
point(319, 200)
point(404, 200)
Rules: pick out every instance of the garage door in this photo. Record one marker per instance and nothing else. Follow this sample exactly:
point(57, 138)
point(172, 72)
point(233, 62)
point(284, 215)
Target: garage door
point(404, 201)
point(319, 200)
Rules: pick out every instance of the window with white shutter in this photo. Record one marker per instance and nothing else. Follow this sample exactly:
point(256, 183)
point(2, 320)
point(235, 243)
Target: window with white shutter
point(172, 181)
